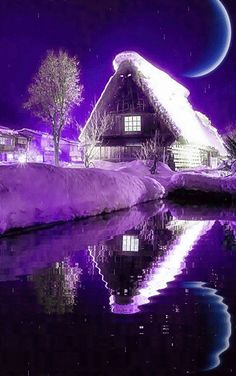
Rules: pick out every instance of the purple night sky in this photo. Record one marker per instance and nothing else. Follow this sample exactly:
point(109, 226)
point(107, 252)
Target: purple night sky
point(174, 35)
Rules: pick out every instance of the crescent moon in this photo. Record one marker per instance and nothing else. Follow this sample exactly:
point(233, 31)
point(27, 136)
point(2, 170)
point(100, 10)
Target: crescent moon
point(220, 321)
point(224, 35)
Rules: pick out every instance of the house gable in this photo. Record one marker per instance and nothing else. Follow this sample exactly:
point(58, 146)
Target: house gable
point(142, 99)
point(126, 100)
point(129, 96)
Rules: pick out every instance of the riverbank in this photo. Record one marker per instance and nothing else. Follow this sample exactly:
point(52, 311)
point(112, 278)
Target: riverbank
point(217, 186)
point(36, 194)
point(206, 186)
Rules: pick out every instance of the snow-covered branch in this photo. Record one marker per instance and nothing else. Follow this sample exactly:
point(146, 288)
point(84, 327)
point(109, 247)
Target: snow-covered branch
point(92, 135)
point(55, 90)
point(152, 151)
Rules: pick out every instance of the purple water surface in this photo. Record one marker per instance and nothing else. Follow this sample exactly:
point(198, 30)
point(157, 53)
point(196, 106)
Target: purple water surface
point(149, 291)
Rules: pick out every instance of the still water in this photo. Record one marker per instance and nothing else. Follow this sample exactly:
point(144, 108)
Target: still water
point(149, 291)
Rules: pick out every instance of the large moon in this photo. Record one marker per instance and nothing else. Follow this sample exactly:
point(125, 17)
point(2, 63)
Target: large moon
point(220, 42)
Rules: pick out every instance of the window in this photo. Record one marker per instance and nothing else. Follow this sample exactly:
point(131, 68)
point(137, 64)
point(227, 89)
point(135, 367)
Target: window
point(22, 141)
point(132, 123)
point(130, 243)
point(10, 157)
point(5, 141)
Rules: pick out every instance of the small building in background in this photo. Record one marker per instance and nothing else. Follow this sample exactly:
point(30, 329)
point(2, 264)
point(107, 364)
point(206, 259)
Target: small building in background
point(28, 145)
point(141, 100)
point(41, 148)
point(13, 146)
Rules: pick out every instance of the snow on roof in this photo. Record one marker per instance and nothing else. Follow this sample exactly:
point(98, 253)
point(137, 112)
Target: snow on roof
point(29, 131)
point(33, 132)
point(6, 130)
point(174, 98)
point(211, 133)
point(167, 84)
point(9, 131)
point(167, 93)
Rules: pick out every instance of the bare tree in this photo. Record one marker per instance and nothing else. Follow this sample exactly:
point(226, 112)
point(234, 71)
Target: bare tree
point(230, 144)
point(230, 130)
point(92, 135)
point(152, 151)
point(55, 90)
point(230, 140)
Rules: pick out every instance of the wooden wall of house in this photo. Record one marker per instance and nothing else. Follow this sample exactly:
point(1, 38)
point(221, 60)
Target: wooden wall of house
point(129, 99)
point(124, 97)
point(117, 128)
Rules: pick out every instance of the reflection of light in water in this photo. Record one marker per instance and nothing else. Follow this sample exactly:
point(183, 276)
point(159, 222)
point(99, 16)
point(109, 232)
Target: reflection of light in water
point(72, 276)
point(56, 286)
point(164, 271)
point(90, 250)
point(221, 318)
point(130, 243)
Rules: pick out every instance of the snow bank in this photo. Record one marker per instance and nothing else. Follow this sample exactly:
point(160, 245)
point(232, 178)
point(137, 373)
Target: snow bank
point(202, 182)
point(163, 174)
point(136, 167)
point(39, 193)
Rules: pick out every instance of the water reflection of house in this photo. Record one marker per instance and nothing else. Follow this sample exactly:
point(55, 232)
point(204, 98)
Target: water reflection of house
point(57, 285)
point(141, 100)
point(126, 260)
point(177, 335)
point(141, 262)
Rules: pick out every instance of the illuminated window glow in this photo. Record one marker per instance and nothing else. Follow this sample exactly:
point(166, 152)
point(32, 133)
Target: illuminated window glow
point(132, 123)
point(5, 141)
point(130, 243)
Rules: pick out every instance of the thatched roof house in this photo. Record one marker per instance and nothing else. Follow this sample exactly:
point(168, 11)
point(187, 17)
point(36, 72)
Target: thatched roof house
point(141, 99)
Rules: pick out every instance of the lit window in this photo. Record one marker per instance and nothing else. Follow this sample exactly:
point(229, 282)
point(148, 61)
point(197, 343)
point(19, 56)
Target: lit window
point(5, 141)
point(130, 243)
point(132, 123)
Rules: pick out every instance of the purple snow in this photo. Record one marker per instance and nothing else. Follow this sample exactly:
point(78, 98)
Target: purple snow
point(37, 193)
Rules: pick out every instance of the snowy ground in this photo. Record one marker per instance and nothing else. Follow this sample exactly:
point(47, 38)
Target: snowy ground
point(135, 167)
point(200, 179)
point(38, 193)
point(195, 180)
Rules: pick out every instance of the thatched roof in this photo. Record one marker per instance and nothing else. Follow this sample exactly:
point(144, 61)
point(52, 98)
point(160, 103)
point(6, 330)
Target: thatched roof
point(213, 137)
point(168, 97)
